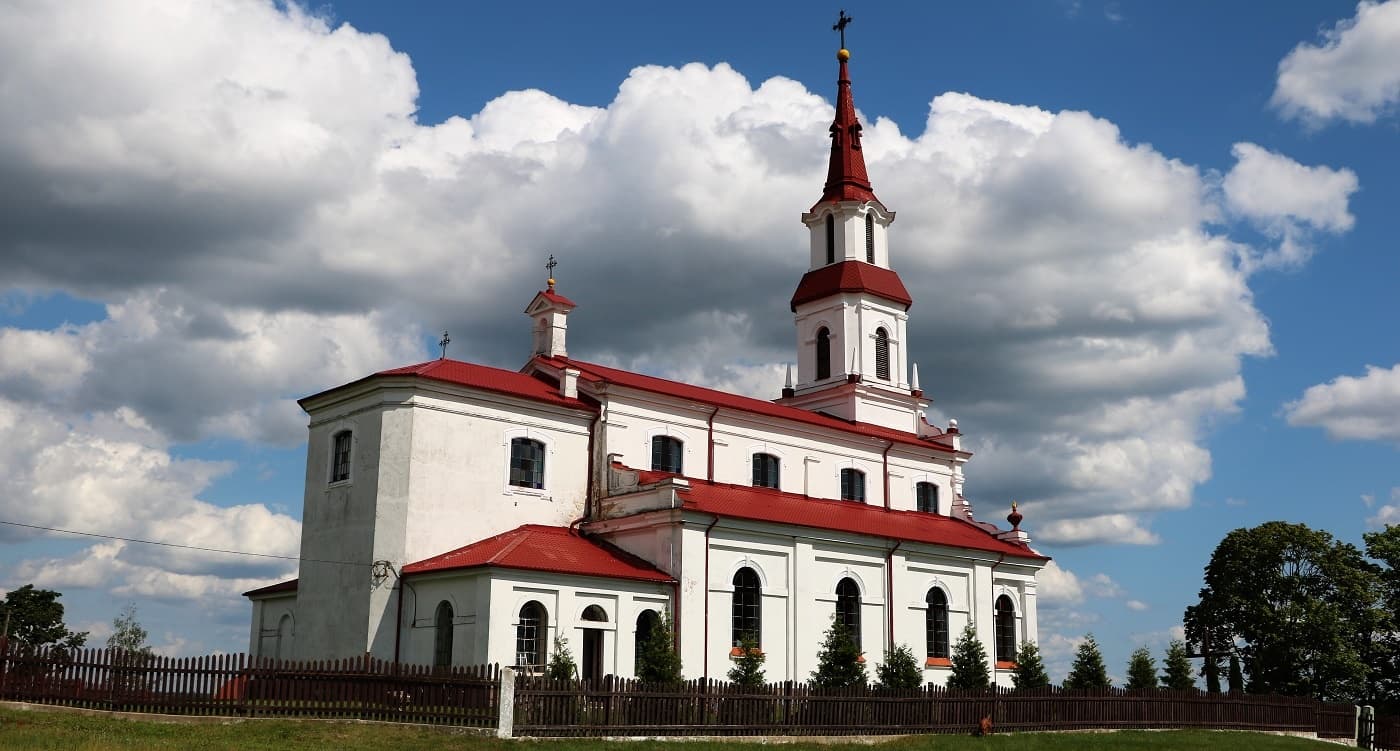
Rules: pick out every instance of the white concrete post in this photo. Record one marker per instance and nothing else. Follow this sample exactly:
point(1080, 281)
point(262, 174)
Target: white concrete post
point(505, 721)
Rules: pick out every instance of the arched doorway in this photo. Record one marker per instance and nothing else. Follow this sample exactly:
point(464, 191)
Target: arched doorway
point(592, 667)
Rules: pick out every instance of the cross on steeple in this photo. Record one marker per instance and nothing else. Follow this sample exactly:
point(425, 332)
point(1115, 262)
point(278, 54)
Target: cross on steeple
point(841, 24)
point(446, 340)
point(550, 268)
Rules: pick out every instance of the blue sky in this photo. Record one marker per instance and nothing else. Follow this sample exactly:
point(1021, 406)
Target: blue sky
point(1151, 250)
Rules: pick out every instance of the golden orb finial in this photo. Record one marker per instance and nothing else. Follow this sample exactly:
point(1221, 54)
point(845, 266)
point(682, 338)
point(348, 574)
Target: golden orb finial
point(843, 54)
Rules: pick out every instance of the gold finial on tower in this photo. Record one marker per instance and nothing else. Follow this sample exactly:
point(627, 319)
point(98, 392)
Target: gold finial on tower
point(550, 267)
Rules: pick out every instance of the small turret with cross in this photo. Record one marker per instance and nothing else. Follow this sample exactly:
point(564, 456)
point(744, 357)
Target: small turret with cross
point(549, 313)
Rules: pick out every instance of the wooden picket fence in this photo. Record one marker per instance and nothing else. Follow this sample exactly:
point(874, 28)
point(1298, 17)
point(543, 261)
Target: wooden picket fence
point(370, 689)
point(234, 685)
point(700, 707)
point(1387, 733)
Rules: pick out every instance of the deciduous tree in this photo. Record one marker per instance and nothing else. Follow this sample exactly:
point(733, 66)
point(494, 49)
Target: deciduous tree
point(1298, 607)
point(128, 634)
point(35, 619)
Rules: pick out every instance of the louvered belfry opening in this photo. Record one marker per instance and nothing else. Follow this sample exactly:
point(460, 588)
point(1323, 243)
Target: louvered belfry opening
point(869, 238)
point(882, 354)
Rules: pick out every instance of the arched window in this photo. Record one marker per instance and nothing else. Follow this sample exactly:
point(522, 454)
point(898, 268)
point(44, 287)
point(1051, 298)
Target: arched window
point(765, 471)
point(936, 623)
point(340, 456)
point(926, 495)
point(848, 607)
point(442, 635)
point(830, 239)
point(869, 237)
point(666, 454)
point(748, 607)
point(526, 463)
point(530, 634)
point(1006, 630)
point(823, 353)
point(647, 622)
point(882, 354)
point(284, 637)
point(852, 485)
point(595, 613)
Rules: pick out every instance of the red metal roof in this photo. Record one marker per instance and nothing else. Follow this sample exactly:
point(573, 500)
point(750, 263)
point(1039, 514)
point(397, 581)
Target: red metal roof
point(555, 297)
point(479, 376)
point(535, 547)
point(287, 586)
point(846, 179)
point(763, 504)
point(601, 373)
point(851, 276)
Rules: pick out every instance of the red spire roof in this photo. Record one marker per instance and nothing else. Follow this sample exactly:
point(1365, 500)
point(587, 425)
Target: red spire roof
point(845, 177)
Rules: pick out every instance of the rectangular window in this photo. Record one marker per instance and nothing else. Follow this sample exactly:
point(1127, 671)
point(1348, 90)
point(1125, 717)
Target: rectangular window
point(666, 454)
point(765, 471)
point(340, 457)
point(927, 497)
point(526, 463)
point(852, 485)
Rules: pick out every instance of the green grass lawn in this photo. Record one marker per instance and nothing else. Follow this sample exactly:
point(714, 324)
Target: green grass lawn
point(25, 730)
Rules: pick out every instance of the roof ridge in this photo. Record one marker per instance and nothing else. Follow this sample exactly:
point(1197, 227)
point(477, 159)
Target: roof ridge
point(755, 404)
point(512, 545)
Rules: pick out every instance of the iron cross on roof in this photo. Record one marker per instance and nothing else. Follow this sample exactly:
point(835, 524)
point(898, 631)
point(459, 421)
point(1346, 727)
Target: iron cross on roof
point(550, 268)
point(841, 24)
point(446, 340)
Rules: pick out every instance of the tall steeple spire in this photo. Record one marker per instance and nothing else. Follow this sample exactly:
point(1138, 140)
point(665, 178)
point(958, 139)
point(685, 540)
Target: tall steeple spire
point(846, 179)
point(851, 309)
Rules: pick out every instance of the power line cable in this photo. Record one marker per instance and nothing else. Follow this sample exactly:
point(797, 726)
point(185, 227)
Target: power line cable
point(184, 547)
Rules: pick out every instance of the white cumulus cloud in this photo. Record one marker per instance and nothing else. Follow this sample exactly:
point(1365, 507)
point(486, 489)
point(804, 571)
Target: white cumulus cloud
point(1363, 407)
point(247, 191)
point(1288, 201)
point(1351, 74)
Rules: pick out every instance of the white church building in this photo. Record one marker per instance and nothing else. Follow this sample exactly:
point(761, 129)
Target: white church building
point(463, 514)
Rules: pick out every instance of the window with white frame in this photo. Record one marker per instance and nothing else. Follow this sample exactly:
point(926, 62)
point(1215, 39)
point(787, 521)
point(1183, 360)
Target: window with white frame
point(1005, 630)
point(747, 607)
point(765, 471)
point(852, 485)
point(530, 633)
point(667, 454)
point(936, 623)
point(527, 463)
point(926, 497)
point(848, 607)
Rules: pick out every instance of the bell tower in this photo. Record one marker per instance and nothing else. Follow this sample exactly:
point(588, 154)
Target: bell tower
point(851, 308)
